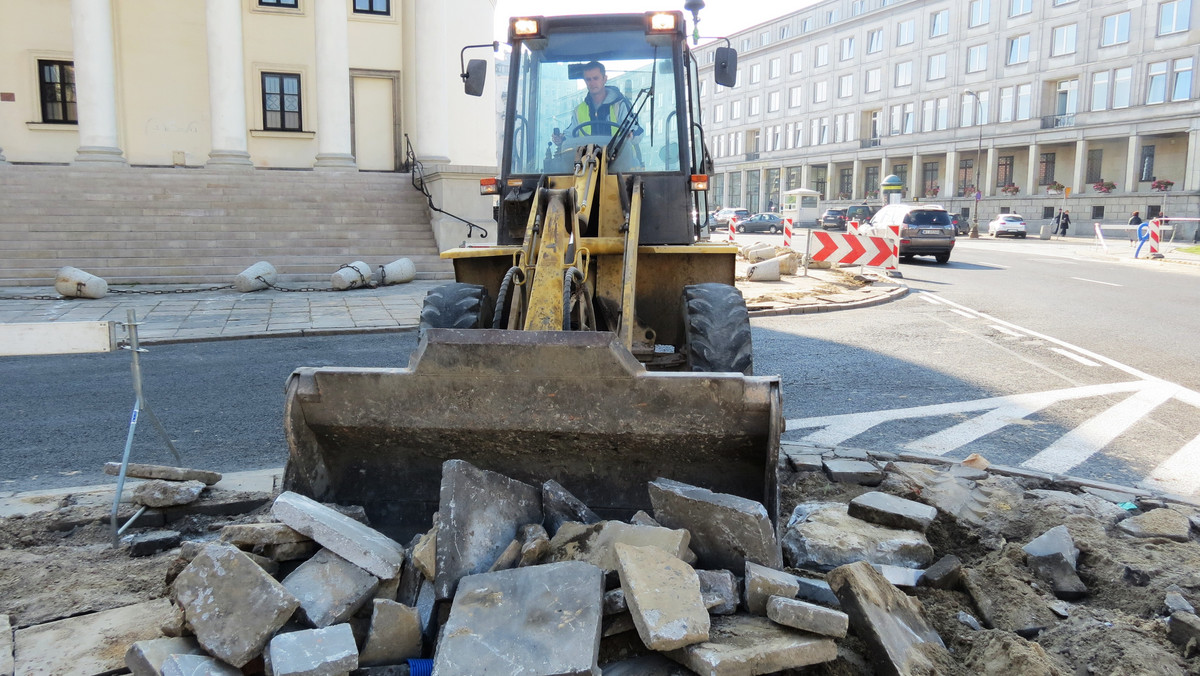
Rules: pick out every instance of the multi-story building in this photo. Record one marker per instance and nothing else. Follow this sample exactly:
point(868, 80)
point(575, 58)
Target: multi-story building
point(984, 106)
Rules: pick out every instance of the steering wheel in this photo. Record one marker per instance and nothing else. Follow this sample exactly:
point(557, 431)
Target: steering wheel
point(607, 126)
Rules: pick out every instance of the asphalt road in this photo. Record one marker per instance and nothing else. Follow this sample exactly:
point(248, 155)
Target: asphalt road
point(1020, 351)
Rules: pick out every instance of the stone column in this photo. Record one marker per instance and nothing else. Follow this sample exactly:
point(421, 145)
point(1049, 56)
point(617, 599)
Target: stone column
point(1131, 164)
point(950, 185)
point(333, 87)
point(226, 84)
point(805, 175)
point(989, 175)
point(915, 189)
point(1031, 173)
point(829, 169)
point(856, 190)
point(95, 82)
point(1191, 170)
point(432, 126)
point(1080, 174)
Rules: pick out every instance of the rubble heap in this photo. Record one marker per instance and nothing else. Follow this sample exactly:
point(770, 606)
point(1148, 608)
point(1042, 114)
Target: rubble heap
point(878, 564)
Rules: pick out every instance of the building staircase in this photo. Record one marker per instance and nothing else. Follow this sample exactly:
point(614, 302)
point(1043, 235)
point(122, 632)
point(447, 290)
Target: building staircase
point(133, 225)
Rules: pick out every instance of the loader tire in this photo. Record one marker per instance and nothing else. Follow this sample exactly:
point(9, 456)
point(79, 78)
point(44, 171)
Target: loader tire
point(456, 306)
point(717, 329)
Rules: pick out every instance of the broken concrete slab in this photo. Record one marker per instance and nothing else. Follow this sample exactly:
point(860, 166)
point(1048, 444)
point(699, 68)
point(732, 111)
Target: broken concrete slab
point(197, 665)
point(6, 647)
point(1114, 496)
point(817, 591)
point(479, 514)
point(719, 589)
point(359, 544)
point(892, 511)
point(394, 634)
point(152, 542)
point(1173, 601)
point(508, 558)
point(1060, 573)
point(160, 493)
point(1057, 540)
point(904, 578)
point(823, 536)
point(424, 554)
point(945, 574)
point(663, 594)
point(288, 551)
point(808, 617)
point(595, 543)
point(232, 605)
point(727, 530)
point(560, 506)
point(1063, 503)
point(246, 535)
point(541, 620)
point(145, 658)
point(970, 501)
point(748, 645)
point(330, 589)
point(144, 471)
point(1158, 523)
point(1023, 611)
point(87, 644)
point(762, 583)
point(329, 651)
point(803, 462)
point(535, 544)
point(890, 622)
point(1183, 628)
point(848, 471)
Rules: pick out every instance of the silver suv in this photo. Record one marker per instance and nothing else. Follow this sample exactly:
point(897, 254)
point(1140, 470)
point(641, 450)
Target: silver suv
point(925, 230)
point(722, 217)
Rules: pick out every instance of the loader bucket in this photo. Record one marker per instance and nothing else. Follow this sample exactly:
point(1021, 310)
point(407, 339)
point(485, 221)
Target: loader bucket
point(575, 407)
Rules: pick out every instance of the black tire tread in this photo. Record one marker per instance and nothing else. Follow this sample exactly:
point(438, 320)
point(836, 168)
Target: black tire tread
point(717, 327)
point(456, 306)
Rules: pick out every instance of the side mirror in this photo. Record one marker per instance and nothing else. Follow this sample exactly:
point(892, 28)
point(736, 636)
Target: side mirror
point(475, 76)
point(725, 66)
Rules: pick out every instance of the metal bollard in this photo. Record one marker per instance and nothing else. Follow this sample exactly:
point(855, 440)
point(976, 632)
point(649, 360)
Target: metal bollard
point(75, 283)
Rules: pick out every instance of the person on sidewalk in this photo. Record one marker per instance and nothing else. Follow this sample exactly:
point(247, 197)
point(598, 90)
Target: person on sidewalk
point(1055, 222)
point(1135, 219)
point(1064, 220)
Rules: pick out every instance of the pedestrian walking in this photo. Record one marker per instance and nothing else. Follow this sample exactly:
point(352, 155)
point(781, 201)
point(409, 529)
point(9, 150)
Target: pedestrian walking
point(1135, 219)
point(1064, 220)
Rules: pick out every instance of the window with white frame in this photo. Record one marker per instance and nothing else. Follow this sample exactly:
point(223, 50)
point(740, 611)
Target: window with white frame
point(1063, 40)
point(858, 7)
point(773, 102)
point(874, 76)
point(797, 62)
point(1122, 87)
point(821, 55)
point(906, 32)
point(928, 110)
point(939, 23)
point(773, 68)
point(977, 58)
point(1181, 79)
point(755, 73)
point(875, 41)
point(896, 119)
point(381, 7)
point(839, 133)
point(798, 135)
point(1018, 49)
point(774, 138)
point(942, 119)
point(1063, 2)
point(979, 12)
point(937, 67)
point(735, 110)
point(1114, 29)
point(1024, 101)
point(806, 25)
point(703, 88)
point(746, 44)
point(904, 74)
point(1156, 87)
point(719, 112)
point(1019, 7)
point(795, 97)
point(764, 38)
point(788, 131)
point(785, 32)
point(833, 16)
point(847, 48)
point(820, 91)
point(845, 86)
point(1174, 17)
point(909, 110)
point(1100, 89)
point(1007, 97)
point(974, 111)
point(1066, 98)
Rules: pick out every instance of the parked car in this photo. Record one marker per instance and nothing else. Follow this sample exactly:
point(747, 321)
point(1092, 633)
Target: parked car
point(925, 230)
point(1007, 224)
point(722, 217)
point(833, 219)
point(764, 222)
point(962, 224)
point(861, 213)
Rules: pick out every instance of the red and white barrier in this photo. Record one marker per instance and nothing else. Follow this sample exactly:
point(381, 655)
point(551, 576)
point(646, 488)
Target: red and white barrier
point(895, 242)
point(852, 227)
point(1155, 233)
point(787, 232)
point(732, 227)
point(854, 250)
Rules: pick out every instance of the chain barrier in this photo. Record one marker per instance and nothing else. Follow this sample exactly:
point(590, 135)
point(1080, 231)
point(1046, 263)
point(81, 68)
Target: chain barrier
point(146, 292)
point(307, 289)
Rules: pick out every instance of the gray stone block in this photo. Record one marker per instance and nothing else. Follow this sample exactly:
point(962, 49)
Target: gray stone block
point(508, 558)
point(143, 471)
point(595, 543)
point(7, 665)
point(1158, 523)
point(329, 651)
point(664, 599)
point(1183, 628)
point(197, 665)
point(153, 542)
point(539, 620)
point(535, 544)
point(145, 658)
point(817, 591)
point(850, 453)
point(1058, 571)
point(823, 536)
point(1023, 611)
point(804, 616)
point(479, 514)
point(904, 578)
point(614, 602)
point(394, 634)
point(859, 472)
point(895, 512)
point(253, 534)
point(805, 462)
point(641, 518)
point(424, 554)
point(727, 530)
point(719, 590)
point(361, 545)
point(945, 574)
point(969, 620)
point(762, 583)
point(1175, 603)
point(232, 605)
point(1057, 540)
point(890, 622)
point(85, 644)
point(560, 506)
point(330, 589)
point(748, 644)
point(160, 493)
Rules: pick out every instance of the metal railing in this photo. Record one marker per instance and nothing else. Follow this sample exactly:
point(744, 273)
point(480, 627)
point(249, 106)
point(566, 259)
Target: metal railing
point(1056, 121)
point(871, 143)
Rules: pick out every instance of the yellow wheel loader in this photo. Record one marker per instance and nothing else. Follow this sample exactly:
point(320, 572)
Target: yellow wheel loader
point(600, 342)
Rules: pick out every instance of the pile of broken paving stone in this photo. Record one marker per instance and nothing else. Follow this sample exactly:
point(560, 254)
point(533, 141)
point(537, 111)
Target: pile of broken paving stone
point(880, 564)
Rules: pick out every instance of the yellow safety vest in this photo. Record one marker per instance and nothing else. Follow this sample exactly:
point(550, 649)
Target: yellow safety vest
point(583, 115)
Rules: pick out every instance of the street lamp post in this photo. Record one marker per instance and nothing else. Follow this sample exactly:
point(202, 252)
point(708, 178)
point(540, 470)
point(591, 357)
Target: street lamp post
point(978, 152)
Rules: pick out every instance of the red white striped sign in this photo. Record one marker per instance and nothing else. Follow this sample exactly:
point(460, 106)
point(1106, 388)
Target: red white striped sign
point(853, 249)
point(787, 232)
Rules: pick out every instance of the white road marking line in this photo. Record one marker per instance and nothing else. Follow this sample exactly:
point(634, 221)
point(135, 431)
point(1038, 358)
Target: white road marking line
point(1010, 332)
point(1093, 281)
point(928, 298)
point(960, 435)
point(1180, 473)
point(1071, 355)
point(836, 429)
point(993, 265)
point(1081, 443)
point(968, 315)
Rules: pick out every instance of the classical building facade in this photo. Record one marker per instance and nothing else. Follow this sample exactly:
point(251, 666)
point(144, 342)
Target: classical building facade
point(983, 106)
